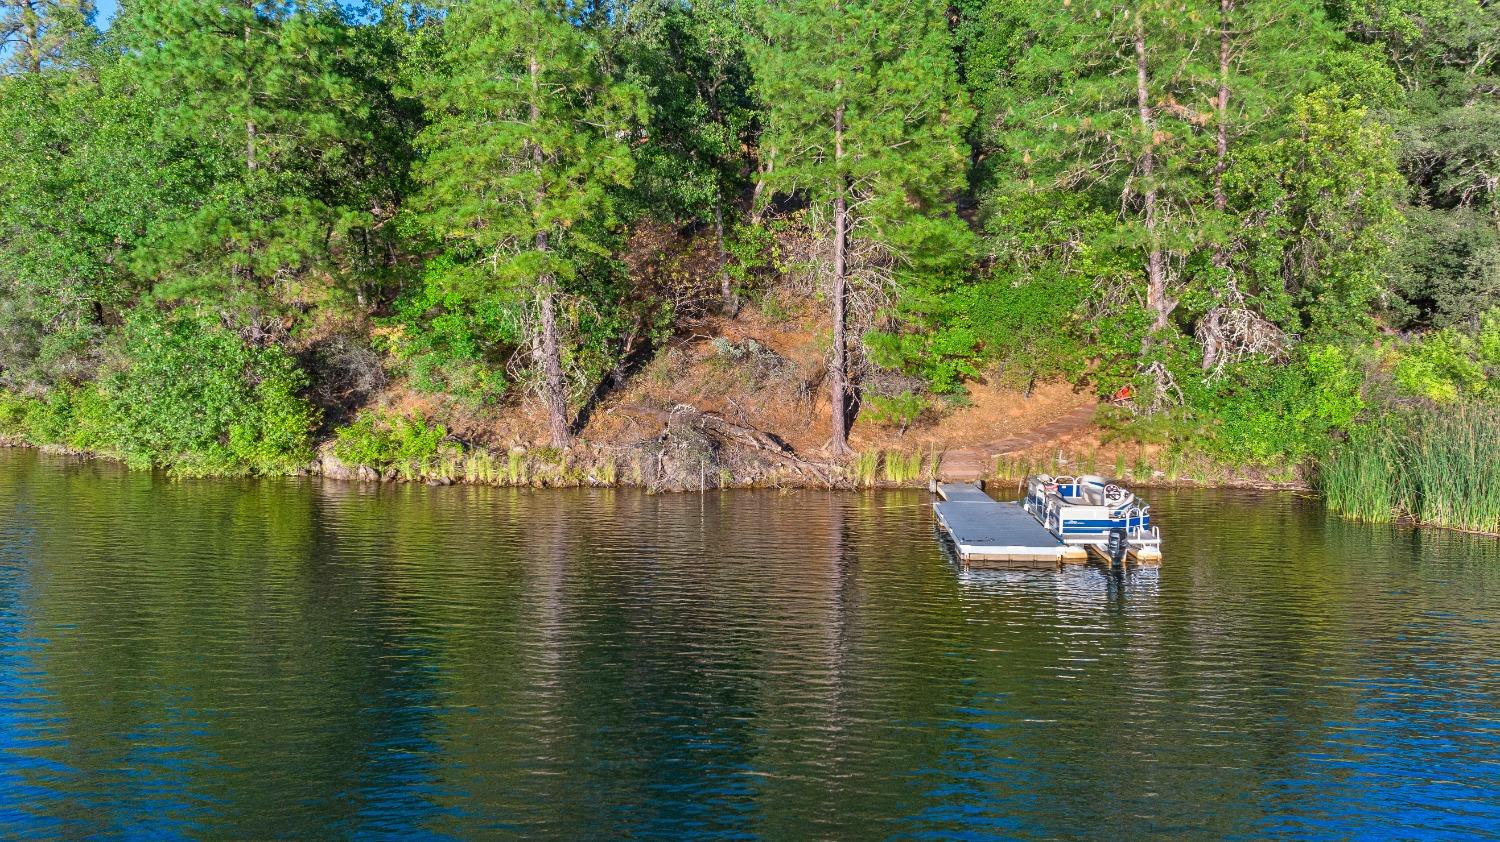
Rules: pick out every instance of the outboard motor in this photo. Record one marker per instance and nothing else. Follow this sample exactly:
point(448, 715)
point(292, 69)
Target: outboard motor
point(1116, 547)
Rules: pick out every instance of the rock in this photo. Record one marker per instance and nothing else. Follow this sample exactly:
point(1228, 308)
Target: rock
point(331, 466)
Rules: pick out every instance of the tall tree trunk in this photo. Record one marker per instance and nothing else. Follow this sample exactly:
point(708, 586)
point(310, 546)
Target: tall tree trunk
point(838, 367)
point(1156, 264)
point(1221, 109)
point(1211, 338)
point(552, 372)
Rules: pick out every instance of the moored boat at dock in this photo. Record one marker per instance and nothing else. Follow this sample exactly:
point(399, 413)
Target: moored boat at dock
point(1092, 512)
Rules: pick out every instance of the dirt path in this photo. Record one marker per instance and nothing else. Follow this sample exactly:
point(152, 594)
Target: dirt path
point(971, 463)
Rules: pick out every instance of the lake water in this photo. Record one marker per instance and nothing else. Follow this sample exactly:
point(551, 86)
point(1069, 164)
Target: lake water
point(322, 660)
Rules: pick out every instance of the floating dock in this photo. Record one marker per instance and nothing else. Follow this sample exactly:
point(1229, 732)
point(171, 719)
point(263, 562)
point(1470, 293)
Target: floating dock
point(985, 530)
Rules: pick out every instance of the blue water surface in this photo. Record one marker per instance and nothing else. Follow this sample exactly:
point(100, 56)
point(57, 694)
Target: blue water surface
point(299, 659)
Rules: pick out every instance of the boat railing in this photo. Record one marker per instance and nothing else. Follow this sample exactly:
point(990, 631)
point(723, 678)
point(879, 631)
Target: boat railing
point(1135, 522)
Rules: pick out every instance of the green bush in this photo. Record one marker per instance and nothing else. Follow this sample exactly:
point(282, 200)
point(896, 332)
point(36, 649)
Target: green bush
point(49, 418)
point(899, 411)
point(382, 441)
point(194, 397)
point(1443, 367)
point(451, 337)
point(14, 409)
point(1268, 414)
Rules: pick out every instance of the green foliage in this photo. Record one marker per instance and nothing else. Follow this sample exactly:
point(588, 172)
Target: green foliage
point(1326, 194)
point(41, 34)
point(1448, 123)
point(524, 158)
point(195, 397)
point(752, 253)
point(186, 394)
point(382, 441)
point(292, 112)
point(690, 62)
point(1268, 414)
point(1446, 268)
point(449, 339)
point(204, 188)
point(1448, 366)
point(877, 80)
point(14, 409)
point(899, 411)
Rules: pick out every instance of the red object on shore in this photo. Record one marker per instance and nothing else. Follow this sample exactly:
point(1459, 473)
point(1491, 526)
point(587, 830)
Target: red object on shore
point(1124, 394)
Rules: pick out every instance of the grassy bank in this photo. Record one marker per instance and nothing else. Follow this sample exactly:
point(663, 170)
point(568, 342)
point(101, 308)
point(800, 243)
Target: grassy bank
point(1433, 466)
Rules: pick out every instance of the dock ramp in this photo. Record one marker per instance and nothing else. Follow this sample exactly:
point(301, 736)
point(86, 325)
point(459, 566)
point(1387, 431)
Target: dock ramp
point(985, 530)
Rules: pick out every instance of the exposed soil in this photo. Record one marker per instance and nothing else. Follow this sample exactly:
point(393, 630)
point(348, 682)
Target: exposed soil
point(769, 375)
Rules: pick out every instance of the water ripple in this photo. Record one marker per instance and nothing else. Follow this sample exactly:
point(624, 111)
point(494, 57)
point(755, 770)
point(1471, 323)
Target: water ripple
point(300, 659)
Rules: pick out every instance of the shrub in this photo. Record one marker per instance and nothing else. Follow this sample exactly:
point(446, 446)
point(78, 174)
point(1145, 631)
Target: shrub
point(451, 336)
point(14, 409)
point(900, 411)
point(381, 441)
point(49, 419)
point(1442, 367)
point(195, 397)
point(1268, 413)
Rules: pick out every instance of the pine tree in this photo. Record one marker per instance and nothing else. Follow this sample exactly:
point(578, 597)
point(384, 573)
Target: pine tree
point(35, 34)
point(864, 113)
point(272, 85)
point(523, 155)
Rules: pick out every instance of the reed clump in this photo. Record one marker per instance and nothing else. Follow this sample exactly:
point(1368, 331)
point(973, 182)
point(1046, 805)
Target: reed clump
point(1434, 466)
point(901, 467)
point(479, 467)
point(865, 467)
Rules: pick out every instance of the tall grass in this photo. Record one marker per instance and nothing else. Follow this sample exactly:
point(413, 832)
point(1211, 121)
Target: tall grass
point(1435, 466)
point(865, 466)
point(903, 467)
point(479, 467)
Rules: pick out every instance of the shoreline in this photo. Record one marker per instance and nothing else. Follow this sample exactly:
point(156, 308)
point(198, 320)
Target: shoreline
point(570, 476)
point(581, 467)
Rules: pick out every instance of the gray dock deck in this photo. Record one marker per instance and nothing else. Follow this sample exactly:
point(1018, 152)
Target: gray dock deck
point(985, 530)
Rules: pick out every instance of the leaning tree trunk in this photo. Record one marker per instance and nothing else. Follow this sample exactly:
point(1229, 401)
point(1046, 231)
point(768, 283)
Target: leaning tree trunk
point(1156, 264)
point(763, 170)
point(554, 383)
point(838, 366)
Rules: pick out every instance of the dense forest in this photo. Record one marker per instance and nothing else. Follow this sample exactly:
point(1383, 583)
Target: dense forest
point(1270, 231)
